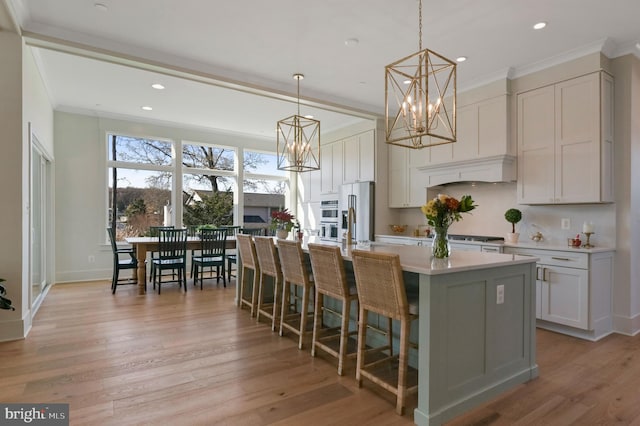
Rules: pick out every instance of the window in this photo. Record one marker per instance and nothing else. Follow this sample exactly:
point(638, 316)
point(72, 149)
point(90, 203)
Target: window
point(265, 188)
point(208, 184)
point(140, 177)
point(154, 182)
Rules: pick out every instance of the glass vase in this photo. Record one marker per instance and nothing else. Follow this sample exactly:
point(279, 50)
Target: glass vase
point(440, 247)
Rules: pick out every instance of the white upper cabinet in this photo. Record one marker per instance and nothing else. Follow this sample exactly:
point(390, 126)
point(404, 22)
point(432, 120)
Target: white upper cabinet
point(359, 158)
point(309, 186)
point(565, 142)
point(331, 166)
point(407, 184)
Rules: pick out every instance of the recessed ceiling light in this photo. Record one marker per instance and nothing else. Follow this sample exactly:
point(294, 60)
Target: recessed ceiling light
point(101, 7)
point(147, 108)
point(539, 25)
point(157, 86)
point(407, 82)
point(351, 42)
point(638, 46)
point(308, 116)
point(461, 58)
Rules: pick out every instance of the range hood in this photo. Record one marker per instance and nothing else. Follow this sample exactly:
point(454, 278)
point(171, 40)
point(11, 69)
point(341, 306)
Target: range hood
point(498, 168)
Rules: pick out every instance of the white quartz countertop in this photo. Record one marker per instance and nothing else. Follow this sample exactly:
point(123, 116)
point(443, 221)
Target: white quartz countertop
point(521, 244)
point(545, 246)
point(418, 259)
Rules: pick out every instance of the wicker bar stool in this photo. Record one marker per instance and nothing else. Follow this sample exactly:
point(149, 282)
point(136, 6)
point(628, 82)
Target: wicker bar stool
point(269, 267)
point(381, 290)
point(294, 272)
point(330, 279)
point(247, 250)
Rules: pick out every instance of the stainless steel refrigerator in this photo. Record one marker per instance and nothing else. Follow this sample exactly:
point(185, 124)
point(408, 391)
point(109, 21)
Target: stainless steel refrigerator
point(360, 196)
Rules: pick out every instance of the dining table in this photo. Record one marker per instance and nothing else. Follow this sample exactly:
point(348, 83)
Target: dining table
point(143, 245)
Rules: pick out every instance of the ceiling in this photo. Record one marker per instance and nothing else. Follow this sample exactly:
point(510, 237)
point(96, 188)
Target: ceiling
point(228, 64)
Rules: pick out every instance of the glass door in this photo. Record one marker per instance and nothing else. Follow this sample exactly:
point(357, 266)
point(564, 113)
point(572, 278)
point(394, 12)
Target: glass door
point(40, 216)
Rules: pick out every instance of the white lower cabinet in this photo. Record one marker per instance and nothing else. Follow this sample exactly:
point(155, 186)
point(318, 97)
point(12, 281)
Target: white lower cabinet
point(573, 291)
point(564, 295)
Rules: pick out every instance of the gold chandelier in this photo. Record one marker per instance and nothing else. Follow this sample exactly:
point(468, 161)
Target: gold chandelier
point(298, 141)
point(420, 98)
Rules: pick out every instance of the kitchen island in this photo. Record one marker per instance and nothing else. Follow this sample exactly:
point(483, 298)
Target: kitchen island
point(476, 326)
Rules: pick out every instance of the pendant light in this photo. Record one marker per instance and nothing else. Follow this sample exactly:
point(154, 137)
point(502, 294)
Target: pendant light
point(420, 98)
point(298, 141)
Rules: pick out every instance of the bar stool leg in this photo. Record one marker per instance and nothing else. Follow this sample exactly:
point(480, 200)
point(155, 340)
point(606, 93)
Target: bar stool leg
point(344, 334)
point(303, 315)
point(317, 322)
point(362, 337)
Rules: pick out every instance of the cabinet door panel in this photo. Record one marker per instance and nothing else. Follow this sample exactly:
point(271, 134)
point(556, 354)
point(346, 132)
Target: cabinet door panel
point(578, 140)
point(397, 187)
point(536, 142)
point(536, 173)
point(565, 296)
point(367, 146)
point(326, 169)
point(417, 188)
point(338, 164)
point(351, 160)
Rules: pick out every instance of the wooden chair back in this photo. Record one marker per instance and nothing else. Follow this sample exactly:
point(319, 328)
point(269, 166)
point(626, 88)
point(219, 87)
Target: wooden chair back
point(267, 256)
point(247, 251)
point(172, 244)
point(294, 269)
point(329, 274)
point(213, 242)
point(380, 283)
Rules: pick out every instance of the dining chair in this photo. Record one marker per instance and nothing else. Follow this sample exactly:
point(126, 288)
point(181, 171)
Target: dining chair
point(154, 231)
point(130, 262)
point(381, 290)
point(172, 255)
point(269, 267)
point(294, 273)
point(330, 280)
point(212, 254)
point(247, 249)
point(231, 232)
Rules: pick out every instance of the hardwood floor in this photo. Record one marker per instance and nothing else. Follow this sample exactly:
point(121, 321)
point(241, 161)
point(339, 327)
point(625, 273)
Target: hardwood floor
point(195, 359)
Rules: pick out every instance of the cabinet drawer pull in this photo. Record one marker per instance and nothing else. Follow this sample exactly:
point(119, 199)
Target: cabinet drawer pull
point(566, 259)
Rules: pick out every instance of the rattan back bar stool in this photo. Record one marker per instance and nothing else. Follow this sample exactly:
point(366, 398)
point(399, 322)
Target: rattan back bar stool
point(381, 290)
point(269, 267)
point(295, 273)
point(247, 250)
point(330, 279)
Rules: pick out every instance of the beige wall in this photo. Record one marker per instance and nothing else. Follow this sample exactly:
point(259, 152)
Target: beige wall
point(11, 248)
point(23, 100)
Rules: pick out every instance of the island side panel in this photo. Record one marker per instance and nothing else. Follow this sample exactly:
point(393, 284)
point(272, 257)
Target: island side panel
point(471, 347)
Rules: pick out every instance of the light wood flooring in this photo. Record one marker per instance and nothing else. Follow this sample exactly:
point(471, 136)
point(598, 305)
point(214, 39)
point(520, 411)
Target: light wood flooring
point(196, 359)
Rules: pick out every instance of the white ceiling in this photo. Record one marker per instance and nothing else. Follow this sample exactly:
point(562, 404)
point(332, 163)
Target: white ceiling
point(258, 45)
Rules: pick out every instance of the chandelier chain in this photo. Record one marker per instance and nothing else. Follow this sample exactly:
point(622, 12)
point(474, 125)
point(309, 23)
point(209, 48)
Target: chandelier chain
point(420, 27)
point(298, 79)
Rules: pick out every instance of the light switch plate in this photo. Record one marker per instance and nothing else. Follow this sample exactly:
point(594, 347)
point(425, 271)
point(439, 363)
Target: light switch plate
point(565, 223)
point(500, 294)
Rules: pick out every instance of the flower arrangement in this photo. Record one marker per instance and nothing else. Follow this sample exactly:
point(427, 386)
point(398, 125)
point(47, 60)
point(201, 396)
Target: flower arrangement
point(441, 212)
point(282, 219)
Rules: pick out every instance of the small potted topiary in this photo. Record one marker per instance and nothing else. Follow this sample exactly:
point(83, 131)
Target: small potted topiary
point(513, 216)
